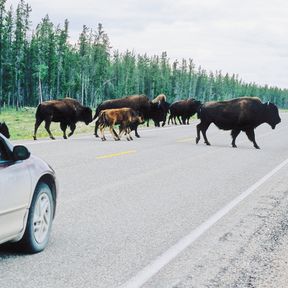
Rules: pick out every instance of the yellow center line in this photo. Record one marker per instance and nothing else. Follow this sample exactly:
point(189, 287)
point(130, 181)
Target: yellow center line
point(185, 139)
point(115, 154)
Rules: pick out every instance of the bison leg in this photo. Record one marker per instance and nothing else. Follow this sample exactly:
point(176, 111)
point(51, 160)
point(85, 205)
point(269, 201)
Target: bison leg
point(174, 119)
point(134, 126)
point(251, 136)
point(122, 130)
point(203, 128)
point(156, 123)
point(198, 133)
point(47, 127)
point(170, 119)
point(102, 133)
point(113, 133)
point(37, 124)
point(72, 128)
point(129, 137)
point(136, 133)
point(234, 134)
point(179, 120)
point(63, 127)
point(164, 121)
point(127, 133)
point(96, 128)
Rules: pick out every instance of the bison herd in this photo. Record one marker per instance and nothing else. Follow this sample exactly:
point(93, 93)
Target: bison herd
point(240, 114)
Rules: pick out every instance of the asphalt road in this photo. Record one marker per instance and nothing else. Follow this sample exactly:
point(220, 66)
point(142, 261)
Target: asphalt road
point(161, 211)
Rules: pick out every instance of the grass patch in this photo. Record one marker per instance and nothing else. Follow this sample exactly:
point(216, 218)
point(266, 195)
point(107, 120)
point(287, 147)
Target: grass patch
point(21, 124)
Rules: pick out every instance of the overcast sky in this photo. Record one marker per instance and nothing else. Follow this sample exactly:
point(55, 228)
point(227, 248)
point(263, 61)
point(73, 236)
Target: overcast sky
point(245, 37)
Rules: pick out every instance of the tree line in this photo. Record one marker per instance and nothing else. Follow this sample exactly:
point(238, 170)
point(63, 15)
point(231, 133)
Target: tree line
point(41, 64)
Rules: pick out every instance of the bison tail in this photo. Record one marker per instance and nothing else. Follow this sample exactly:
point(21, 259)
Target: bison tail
point(38, 113)
point(106, 119)
point(95, 117)
point(98, 110)
point(102, 119)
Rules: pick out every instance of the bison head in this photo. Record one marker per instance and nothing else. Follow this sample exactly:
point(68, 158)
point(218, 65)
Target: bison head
point(272, 114)
point(4, 130)
point(86, 115)
point(140, 118)
point(194, 103)
point(137, 118)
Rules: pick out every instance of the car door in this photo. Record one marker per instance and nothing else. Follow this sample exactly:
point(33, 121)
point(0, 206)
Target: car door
point(15, 189)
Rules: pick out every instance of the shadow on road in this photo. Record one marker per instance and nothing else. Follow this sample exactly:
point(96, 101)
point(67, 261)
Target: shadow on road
point(9, 250)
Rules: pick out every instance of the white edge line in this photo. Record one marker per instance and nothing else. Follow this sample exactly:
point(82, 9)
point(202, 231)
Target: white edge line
point(155, 266)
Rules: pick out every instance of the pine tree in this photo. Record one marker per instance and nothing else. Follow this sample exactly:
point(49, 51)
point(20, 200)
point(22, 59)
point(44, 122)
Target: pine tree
point(46, 66)
point(19, 48)
point(2, 16)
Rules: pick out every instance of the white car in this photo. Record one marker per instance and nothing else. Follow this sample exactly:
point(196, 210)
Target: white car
point(28, 195)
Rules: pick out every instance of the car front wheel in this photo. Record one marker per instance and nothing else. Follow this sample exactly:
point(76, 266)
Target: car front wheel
point(39, 220)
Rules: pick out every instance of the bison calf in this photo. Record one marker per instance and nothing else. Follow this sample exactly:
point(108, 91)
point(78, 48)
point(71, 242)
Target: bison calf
point(240, 114)
point(124, 117)
point(67, 111)
point(139, 103)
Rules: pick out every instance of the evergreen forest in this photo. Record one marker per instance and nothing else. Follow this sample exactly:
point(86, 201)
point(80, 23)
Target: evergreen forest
point(40, 63)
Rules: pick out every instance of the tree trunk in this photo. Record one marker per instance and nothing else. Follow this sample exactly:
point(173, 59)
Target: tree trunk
point(40, 89)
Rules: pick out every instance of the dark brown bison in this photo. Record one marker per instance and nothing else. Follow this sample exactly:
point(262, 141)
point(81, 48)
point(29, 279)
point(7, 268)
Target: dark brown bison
point(4, 130)
point(67, 111)
point(139, 103)
point(183, 110)
point(160, 114)
point(240, 114)
point(123, 117)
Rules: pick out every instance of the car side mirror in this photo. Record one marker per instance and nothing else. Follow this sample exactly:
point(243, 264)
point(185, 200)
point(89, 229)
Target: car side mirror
point(20, 152)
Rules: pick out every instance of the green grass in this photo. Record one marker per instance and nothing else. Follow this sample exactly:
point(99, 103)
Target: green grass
point(21, 124)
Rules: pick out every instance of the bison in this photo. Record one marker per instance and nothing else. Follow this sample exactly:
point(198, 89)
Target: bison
point(67, 111)
point(139, 103)
point(160, 114)
point(160, 98)
point(123, 117)
point(183, 110)
point(4, 130)
point(240, 114)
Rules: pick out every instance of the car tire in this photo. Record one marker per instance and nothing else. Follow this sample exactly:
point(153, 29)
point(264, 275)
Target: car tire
point(39, 221)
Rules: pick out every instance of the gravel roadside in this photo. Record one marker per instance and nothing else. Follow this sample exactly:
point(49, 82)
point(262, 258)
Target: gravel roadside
point(254, 252)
